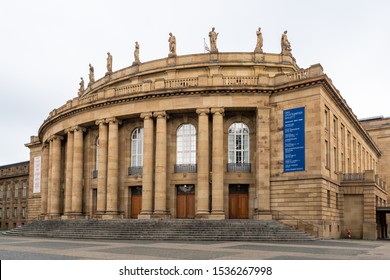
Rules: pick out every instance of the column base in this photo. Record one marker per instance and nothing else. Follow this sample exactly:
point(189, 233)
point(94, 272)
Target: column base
point(161, 215)
point(202, 215)
point(112, 216)
point(220, 215)
point(145, 216)
point(72, 216)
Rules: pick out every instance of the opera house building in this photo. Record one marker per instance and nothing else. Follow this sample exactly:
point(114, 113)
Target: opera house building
point(214, 136)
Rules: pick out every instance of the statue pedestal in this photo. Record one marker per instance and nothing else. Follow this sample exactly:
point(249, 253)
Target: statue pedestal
point(171, 59)
point(258, 56)
point(213, 56)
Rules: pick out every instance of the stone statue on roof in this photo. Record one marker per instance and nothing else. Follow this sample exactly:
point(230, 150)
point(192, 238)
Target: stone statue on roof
point(259, 44)
point(172, 45)
point(109, 63)
point(285, 44)
point(136, 54)
point(91, 75)
point(81, 88)
point(213, 40)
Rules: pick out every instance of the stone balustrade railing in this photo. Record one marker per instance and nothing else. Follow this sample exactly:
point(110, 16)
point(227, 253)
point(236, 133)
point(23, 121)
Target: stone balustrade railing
point(368, 176)
point(107, 88)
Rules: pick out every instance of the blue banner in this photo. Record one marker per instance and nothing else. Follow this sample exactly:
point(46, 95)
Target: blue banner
point(294, 139)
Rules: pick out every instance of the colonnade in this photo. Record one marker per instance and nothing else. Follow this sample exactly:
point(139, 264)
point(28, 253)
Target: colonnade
point(154, 172)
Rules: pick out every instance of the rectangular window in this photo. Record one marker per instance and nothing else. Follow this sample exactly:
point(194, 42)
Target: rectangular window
point(342, 132)
point(24, 189)
point(326, 118)
point(16, 190)
point(335, 127)
point(337, 201)
point(335, 159)
point(23, 212)
point(15, 212)
point(326, 154)
point(328, 197)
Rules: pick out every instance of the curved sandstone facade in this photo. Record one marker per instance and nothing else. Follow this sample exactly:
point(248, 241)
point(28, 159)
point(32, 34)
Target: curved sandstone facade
point(201, 136)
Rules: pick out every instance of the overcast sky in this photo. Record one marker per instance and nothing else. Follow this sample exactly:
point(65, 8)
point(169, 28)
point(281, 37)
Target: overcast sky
point(46, 46)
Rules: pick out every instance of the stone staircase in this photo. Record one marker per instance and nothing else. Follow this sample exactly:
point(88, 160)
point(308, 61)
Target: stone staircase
point(175, 230)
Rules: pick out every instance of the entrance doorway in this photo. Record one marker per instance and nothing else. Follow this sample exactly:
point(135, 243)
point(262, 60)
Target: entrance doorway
point(185, 202)
point(136, 202)
point(94, 202)
point(238, 202)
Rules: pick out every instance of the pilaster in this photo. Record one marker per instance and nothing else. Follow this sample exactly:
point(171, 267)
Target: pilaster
point(263, 209)
point(45, 178)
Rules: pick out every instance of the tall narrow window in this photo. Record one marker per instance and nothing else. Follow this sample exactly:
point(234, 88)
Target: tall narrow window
point(186, 145)
point(137, 138)
point(335, 159)
point(238, 149)
point(326, 154)
point(97, 154)
point(24, 193)
point(136, 148)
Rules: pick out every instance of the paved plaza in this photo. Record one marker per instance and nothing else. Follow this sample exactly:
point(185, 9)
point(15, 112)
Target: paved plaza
point(23, 248)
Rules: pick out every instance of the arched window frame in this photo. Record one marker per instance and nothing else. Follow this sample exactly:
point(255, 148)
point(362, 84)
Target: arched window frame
point(136, 151)
point(137, 140)
point(238, 148)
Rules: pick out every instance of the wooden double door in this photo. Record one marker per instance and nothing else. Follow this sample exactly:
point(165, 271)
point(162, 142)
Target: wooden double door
point(238, 201)
point(185, 207)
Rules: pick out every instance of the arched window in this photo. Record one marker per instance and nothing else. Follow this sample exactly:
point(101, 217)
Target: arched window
point(186, 148)
point(136, 162)
point(238, 149)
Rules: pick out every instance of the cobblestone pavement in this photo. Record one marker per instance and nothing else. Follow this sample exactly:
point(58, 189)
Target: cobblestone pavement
point(23, 248)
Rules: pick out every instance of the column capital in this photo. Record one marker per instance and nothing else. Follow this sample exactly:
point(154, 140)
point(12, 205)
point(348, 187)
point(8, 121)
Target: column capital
point(100, 122)
point(217, 111)
point(203, 111)
point(54, 137)
point(146, 116)
point(160, 114)
point(74, 128)
point(113, 120)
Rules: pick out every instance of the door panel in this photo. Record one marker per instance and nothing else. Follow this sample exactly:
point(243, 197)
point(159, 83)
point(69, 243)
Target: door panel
point(136, 202)
point(238, 202)
point(185, 202)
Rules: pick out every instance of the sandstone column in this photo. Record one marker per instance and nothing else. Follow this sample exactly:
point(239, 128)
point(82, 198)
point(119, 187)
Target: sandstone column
point(68, 172)
point(263, 164)
point(45, 178)
point(217, 165)
point(102, 168)
point(77, 182)
point(147, 169)
point(160, 194)
point(202, 210)
point(112, 169)
point(55, 184)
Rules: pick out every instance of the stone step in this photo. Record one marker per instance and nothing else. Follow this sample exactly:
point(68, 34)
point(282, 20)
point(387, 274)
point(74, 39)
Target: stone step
point(190, 230)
